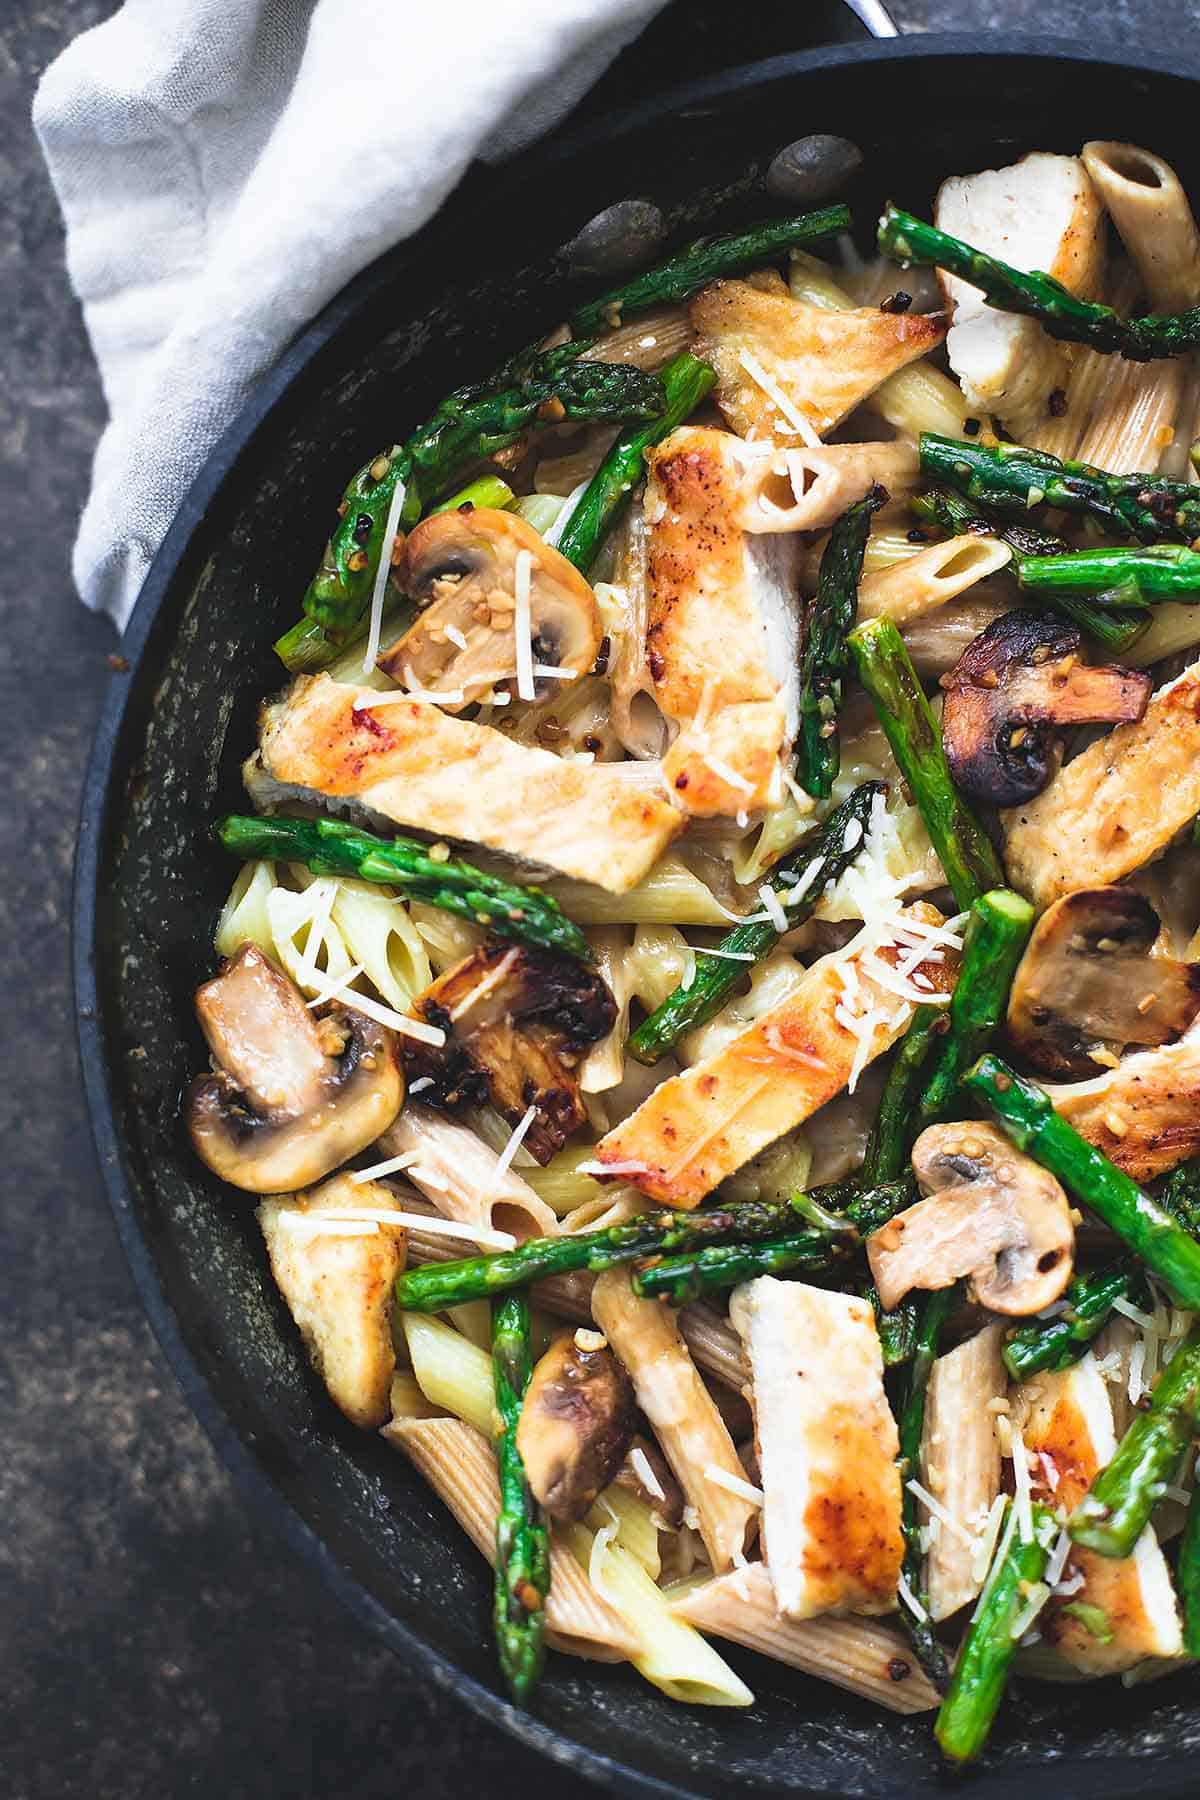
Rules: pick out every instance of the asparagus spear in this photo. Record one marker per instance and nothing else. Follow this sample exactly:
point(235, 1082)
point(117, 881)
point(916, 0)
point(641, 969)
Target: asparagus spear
point(709, 1269)
point(897, 1329)
point(330, 847)
point(1057, 1343)
point(471, 424)
point(818, 862)
point(1116, 1508)
point(306, 646)
point(1113, 630)
point(686, 381)
point(824, 662)
point(522, 1537)
point(963, 846)
point(704, 261)
point(993, 944)
point(1187, 1575)
point(435, 1286)
point(935, 1309)
point(986, 1652)
point(1143, 1224)
point(888, 1144)
point(1141, 572)
point(1010, 479)
point(1056, 309)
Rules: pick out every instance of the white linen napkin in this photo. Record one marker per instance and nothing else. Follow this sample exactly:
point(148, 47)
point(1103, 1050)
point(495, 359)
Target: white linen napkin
point(225, 166)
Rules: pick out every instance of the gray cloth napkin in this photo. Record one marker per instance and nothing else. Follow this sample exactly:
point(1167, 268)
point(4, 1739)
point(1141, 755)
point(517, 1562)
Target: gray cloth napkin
point(225, 166)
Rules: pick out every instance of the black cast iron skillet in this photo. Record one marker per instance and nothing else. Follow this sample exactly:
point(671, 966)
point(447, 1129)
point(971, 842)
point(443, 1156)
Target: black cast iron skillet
point(481, 280)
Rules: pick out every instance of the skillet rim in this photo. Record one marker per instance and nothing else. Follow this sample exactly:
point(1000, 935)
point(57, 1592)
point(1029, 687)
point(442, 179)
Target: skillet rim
point(98, 796)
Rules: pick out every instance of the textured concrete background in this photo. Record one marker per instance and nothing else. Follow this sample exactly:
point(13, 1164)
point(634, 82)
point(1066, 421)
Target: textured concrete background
point(153, 1641)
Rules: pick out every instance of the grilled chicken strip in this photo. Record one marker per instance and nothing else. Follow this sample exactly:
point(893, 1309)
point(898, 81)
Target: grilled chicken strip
point(1144, 1114)
point(1070, 1432)
point(787, 371)
point(412, 763)
point(827, 1448)
point(698, 1127)
point(1039, 213)
point(1116, 806)
point(722, 641)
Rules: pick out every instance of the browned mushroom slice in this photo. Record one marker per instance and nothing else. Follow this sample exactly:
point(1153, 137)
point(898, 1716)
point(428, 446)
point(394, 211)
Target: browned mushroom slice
point(1088, 982)
point(576, 1422)
point(992, 1214)
point(464, 569)
point(646, 1473)
point(291, 1096)
point(517, 1023)
point(1019, 678)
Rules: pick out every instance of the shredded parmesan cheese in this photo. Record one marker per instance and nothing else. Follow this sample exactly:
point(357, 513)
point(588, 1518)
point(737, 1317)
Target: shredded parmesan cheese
point(316, 1223)
point(383, 1015)
point(553, 671)
point(775, 394)
point(643, 1469)
point(456, 636)
point(730, 776)
point(1022, 1488)
point(733, 1484)
point(523, 624)
point(392, 1166)
point(937, 1511)
point(773, 909)
point(514, 1143)
point(910, 1599)
point(390, 526)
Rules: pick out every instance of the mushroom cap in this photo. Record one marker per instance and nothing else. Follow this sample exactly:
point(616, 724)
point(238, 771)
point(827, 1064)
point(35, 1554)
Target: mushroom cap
point(1088, 980)
point(577, 1419)
point(992, 1214)
point(1020, 677)
point(517, 1022)
point(461, 568)
point(292, 1096)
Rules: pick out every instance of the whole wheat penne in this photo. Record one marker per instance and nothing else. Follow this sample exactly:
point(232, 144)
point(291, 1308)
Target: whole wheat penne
point(860, 1655)
point(686, 1422)
point(960, 1464)
point(460, 1467)
point(462, 1177)
point(1149, 208)
point(920, 584)
point(806, 490)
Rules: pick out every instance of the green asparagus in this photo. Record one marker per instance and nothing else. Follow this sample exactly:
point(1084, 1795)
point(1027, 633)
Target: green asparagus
point(889, 1142)
point(934, 1310)
point(705, 261)
point(522, 1536)
point(824, 662)
point(1059, 1342)
point(1180, 1194)
point(910, 240)
point(987, 1650)
point(1143, 1224)
point(709, 1269)
point(963, 846)
point(470, 425)
point(330, 847)
point(817, 863)
point(1114, 621)
point(1116, 1508)
point(686, 381)
point(897, 1329)
point(1126, 576)
point(1187, 1575)
point(993, 944)
point(1010, 480)
point(435, 1286)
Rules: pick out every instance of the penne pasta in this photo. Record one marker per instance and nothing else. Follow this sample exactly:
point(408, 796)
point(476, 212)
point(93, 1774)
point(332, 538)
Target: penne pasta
point(859, 1655)
point(244, 918)
point(669, 895)
point(462, 1176)
point(1149, 208)
point(687, 1424)
point(960, 1465)
point(920, 584)
point(636, 1528)
point(460, 1467)
point(453, 1373)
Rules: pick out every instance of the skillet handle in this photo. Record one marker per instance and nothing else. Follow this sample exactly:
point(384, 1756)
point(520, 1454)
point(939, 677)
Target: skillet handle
point(876, 17)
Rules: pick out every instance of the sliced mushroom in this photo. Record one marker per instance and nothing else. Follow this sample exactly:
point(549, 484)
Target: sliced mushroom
point(992, 1214)
point(292, 1096)
point(461, 568)
point(1019, 678)
point(1088, 984)
point(576, 1422)
point(646, 1472)
point(517, 1023)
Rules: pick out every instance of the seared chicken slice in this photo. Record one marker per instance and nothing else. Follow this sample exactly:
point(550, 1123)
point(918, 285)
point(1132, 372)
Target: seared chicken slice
point(1117, 805)
point(960, 1463)
point(1039, 213)
point(339, 1289)
point(698, 1127)
point(1144, 1114)
point(722, 639)
point(1069, 1430)
point(790, 372)
point(408, 761)
point(827, 1448)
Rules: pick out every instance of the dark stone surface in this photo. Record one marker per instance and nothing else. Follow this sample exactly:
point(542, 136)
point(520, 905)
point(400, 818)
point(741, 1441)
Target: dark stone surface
point(155, 1641)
